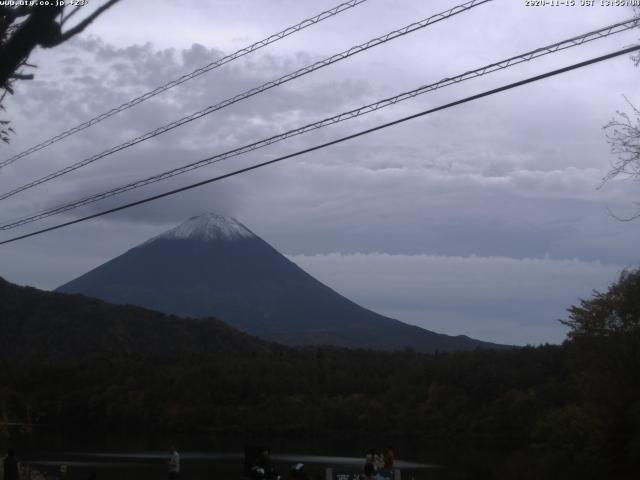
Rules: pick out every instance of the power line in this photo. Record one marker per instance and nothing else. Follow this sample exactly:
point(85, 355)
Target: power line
point(333, 142)
point(503, 64)
point(254, 91)
point(184, 78)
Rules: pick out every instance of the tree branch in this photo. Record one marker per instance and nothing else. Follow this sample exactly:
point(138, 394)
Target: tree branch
point(22, 76)
point(15, 12)
point(71, 14)
point(85, 23)
point(38, 26)
point(630, 218)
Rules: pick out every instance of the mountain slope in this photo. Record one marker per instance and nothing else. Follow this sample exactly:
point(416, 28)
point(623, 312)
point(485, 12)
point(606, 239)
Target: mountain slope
point(46, 325)
point(214, 266)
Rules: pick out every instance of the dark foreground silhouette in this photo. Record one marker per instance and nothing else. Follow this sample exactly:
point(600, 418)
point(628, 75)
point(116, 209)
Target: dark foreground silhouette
point(569, 411)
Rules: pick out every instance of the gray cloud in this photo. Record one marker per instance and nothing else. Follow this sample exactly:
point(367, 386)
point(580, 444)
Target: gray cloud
point(485, 297)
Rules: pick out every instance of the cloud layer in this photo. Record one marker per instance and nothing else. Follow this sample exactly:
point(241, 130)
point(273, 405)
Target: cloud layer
point(508, 300)
point(481, 188)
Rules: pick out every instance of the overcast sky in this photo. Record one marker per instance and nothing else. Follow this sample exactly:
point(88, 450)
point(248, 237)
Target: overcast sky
point(485, 219)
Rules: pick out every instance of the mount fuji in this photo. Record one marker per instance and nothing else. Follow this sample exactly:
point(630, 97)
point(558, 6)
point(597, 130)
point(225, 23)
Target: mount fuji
point(214, 266)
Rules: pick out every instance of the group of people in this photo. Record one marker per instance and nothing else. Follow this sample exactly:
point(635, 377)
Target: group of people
point(374, 461)
point(265, 469)
point(12, 469)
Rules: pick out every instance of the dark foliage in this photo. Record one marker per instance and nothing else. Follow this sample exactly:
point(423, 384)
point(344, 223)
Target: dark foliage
point(605, 361)
point(26, 26)
point(569, 411)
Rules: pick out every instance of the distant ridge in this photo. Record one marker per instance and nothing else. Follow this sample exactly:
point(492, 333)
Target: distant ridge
point(213, 265)
point(44, 326)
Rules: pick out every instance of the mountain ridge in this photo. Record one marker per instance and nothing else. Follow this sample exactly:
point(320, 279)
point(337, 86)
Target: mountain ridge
point(43, 325)
point(213, 265)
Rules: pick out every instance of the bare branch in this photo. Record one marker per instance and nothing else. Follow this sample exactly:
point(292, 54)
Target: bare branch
point(42, 26)
point(71, 14)
point(631, 218)
point(86, 22)
point(623, 136)
point(22, 76)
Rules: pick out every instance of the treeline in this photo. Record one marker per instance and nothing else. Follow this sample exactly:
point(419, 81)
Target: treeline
point(569, 411)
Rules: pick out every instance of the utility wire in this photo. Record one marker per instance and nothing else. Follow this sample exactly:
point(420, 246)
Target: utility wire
point(184, 78)
point(254, 91)
point(333, 142)
point(503, 64)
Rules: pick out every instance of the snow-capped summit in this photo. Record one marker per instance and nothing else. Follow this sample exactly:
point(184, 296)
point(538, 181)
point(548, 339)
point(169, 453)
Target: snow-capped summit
point(226, 271)
point(207, 227)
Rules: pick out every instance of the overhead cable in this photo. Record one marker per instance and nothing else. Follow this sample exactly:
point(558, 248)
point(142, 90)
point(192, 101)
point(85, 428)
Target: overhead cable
point(254, 91)
point(503, 64)
point(333, 142)
point(185, 78)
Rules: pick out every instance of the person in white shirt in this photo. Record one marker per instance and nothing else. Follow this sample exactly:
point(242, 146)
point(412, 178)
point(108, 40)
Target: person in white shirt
point(174, 464)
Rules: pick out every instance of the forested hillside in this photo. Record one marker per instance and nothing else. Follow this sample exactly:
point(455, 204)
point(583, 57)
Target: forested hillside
point(45, 325)
point(570, 411)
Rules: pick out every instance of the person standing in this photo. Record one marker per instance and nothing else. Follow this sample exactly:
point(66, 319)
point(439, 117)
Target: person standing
point(389, 458)
point(174, 464)
point(378, 461)
point(370, 458)
point(270, 471)
point(369, 471)
point(11, 466)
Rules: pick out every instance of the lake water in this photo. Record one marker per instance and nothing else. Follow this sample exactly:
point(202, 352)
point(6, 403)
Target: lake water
point(198, 465)
point(129, 457)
